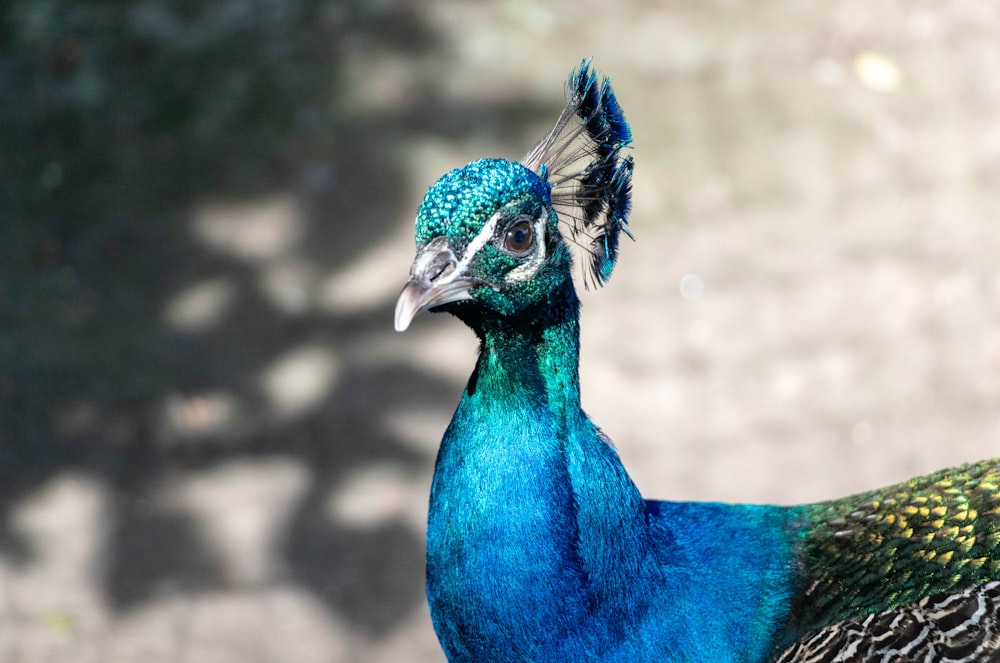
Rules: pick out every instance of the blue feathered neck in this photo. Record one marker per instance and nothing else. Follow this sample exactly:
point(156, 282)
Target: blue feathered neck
point(526, 487)
point(540, 547)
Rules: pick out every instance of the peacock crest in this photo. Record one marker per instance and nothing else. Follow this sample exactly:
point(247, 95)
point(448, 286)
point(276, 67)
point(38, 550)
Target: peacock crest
point(582, 160)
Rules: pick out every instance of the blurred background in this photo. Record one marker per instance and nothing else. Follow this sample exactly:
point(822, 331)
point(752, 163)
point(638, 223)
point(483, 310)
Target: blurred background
point(214, 448)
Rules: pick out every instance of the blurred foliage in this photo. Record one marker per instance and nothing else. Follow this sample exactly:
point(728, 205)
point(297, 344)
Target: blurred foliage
point(120, 116)
point(127, 123)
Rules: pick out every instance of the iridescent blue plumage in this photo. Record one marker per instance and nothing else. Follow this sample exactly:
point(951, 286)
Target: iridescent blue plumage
point(540, 547)
point(465, 195)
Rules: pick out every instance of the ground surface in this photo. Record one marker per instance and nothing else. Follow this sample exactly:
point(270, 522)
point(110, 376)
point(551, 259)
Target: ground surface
point(214, 448)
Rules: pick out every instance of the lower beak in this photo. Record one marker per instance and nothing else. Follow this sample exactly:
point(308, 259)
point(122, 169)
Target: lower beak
point(433, 282)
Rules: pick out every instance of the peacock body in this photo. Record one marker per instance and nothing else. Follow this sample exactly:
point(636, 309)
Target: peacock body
point(540, 547)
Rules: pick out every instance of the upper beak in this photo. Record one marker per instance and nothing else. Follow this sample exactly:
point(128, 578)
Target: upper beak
point(433, 281)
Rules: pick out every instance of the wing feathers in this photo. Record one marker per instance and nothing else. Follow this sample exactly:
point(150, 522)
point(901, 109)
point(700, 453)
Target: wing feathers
point(962, 627)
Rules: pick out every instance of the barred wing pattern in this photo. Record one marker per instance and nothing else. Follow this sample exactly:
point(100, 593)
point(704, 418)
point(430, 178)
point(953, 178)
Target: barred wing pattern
point(936, 629)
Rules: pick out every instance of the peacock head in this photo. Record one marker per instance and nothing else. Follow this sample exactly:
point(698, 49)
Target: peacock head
point(486, 234)
point(490, 236)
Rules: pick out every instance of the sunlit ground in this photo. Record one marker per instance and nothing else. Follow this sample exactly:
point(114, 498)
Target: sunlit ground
point(214, 448)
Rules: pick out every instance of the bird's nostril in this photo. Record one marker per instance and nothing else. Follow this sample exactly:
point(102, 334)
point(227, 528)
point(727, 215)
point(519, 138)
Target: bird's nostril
point(442, 266)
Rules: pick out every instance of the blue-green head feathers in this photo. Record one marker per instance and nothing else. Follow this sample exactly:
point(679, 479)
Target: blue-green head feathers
point(459, 203)
point(500, 232)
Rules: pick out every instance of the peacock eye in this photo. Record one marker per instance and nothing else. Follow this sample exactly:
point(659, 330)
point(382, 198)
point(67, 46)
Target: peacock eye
point(520, 238)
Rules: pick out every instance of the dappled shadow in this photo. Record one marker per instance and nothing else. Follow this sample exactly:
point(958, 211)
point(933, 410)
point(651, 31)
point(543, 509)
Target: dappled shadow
point(133, 119)
point(155, 554)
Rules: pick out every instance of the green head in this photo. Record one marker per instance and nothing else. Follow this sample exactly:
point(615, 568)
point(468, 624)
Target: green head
point(487, 237)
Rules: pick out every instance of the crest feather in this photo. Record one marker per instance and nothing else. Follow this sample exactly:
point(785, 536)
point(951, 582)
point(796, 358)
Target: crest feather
point(591, 180)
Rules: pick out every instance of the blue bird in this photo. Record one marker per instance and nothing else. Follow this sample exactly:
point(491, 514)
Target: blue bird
point(539, 545)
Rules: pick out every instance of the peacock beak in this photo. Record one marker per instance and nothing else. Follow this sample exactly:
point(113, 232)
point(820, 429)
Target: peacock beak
point(435, 279)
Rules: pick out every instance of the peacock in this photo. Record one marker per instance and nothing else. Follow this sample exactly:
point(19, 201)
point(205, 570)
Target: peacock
point(539, 545)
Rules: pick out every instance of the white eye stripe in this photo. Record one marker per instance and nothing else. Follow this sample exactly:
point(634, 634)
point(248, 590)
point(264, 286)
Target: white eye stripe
point(522, 272)
point(530, 268)
point(478, 242)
